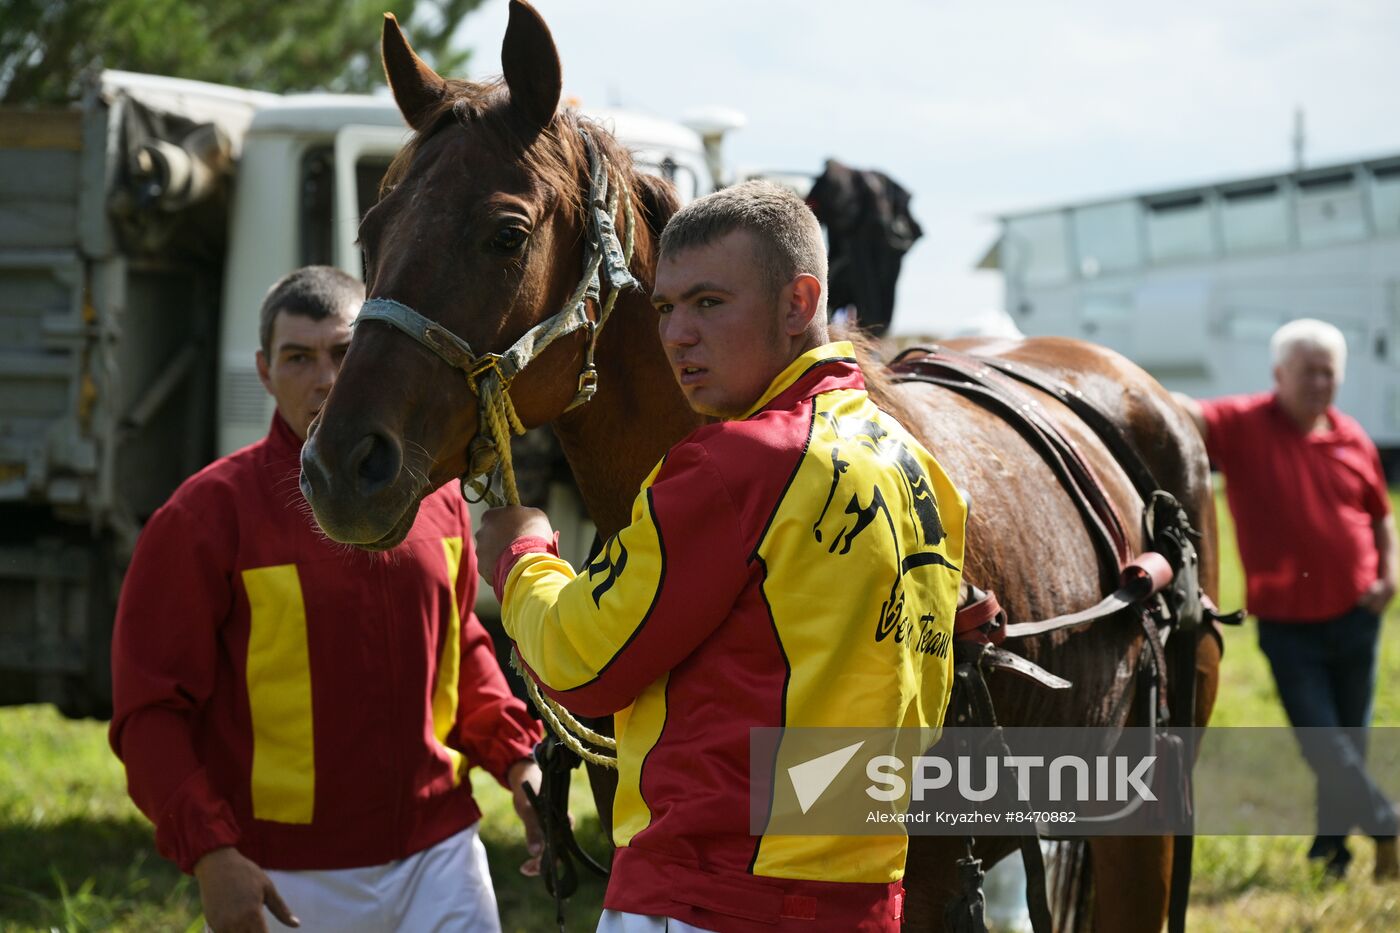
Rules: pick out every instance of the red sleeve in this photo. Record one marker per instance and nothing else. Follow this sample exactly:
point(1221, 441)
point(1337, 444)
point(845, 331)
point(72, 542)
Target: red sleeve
point(495, 729)
point(1223, 417)
point(525, 544)
point(176, 594)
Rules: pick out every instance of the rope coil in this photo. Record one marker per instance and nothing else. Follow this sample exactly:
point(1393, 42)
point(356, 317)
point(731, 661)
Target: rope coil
point(501, 422)
point(563, 723)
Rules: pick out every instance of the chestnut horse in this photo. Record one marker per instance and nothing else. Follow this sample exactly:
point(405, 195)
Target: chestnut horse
point(481, 227)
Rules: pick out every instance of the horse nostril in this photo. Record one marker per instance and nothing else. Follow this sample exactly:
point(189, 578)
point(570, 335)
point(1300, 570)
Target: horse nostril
point(375, 463)
point(313, 475)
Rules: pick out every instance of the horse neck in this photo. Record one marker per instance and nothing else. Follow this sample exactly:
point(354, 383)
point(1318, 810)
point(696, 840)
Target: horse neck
point(639, 413)
point(615, 440)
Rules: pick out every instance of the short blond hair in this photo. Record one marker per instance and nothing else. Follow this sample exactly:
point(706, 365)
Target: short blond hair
point(1313, 334)
point(788, 233)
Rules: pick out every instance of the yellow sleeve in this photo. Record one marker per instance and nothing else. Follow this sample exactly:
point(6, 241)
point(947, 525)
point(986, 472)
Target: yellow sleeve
point(596, 639)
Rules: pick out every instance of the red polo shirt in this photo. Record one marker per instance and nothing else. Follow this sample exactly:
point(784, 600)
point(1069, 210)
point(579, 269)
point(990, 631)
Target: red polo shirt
point(1304, 506)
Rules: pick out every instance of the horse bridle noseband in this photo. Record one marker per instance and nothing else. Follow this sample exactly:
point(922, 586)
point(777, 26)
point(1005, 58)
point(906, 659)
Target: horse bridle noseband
point(490, 374)
point(489, 459)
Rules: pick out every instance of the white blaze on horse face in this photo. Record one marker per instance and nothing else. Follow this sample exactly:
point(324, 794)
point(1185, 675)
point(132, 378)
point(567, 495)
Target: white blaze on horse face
point(720, 324)
point(306, 357)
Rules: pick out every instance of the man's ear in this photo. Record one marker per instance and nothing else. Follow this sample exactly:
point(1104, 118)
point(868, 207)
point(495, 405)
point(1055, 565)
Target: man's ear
point(804, 298)
point(264, 371)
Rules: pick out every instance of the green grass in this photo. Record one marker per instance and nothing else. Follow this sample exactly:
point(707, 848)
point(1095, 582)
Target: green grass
point(75, 855)
point(1265, 882)
point(525, 905)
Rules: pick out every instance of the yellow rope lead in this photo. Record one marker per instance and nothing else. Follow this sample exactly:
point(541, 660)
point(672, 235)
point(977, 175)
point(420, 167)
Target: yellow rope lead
point(562, 723)
point(502, 422)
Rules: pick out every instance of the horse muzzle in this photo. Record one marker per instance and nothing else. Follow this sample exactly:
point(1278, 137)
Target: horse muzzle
point(362, 497)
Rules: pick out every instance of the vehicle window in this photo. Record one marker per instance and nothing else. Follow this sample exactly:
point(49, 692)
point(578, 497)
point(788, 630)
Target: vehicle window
point(318, 199)
point(1106, 238)
point(1254, 218)
point(1385, 198)
point(1034, 248)
point(1180, 229)
point(1330, 209)
point(317, 204)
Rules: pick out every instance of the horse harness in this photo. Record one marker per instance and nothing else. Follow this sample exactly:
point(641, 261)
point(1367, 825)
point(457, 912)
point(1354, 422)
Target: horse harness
point(606, 255)
point(490, 374)
point(1159, 587)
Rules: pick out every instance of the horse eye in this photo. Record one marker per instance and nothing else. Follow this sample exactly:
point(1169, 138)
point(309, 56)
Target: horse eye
point(508, 239)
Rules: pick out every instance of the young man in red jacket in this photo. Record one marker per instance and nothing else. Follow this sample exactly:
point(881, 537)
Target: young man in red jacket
point(795, 564)
point(1317, 540)
point(297, 718)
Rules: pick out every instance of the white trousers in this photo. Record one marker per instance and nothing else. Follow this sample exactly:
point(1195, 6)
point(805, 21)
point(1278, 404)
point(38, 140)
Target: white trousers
point(615, 921)
point(446, 887)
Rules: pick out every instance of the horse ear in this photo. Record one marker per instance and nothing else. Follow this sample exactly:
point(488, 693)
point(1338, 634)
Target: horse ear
point(530, 63)
point(659, 200)
point(417, 88)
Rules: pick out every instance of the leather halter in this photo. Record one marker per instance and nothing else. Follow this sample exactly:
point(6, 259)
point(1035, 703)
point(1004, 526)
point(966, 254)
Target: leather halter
point(490, 374)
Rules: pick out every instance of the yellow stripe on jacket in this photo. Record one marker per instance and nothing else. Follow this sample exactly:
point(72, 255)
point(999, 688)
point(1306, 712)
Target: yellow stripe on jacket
point(283, 782)
point(449, 662)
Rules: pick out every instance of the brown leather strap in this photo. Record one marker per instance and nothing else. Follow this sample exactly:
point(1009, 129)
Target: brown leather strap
point(1129, 460)
point(1003, 660)
point(996, 391)
point(1144, 576)
point(973, 621)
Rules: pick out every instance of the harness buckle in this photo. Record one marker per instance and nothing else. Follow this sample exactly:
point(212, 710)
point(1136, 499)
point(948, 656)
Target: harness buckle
point(587, 384)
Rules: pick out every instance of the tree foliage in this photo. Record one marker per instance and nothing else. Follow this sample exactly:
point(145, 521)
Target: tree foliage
point(46, 46)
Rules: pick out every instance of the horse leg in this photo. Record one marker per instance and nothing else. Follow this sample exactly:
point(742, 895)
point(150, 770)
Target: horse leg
point(1208, 654)
point(1132, 877)
point(1142, 864)
point(930, 880)
point(931, 875)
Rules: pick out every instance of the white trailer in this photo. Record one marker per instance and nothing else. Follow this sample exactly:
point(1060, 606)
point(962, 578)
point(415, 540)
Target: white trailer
point(1190, 283)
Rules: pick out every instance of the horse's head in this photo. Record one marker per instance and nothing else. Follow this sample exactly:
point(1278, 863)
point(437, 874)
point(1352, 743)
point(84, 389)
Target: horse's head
point(480, 235)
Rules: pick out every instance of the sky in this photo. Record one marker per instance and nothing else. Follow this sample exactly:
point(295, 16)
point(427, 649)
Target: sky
point(988, 107)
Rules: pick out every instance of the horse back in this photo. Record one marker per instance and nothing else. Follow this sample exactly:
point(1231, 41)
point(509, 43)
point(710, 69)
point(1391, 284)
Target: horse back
point(1026, 537)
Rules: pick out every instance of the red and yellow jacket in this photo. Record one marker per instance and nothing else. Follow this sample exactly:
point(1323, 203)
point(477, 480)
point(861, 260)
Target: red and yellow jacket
point(798, 567)
point(315, 705)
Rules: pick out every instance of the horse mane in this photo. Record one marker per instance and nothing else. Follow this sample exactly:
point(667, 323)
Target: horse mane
point(879, 381)
point(554, 154)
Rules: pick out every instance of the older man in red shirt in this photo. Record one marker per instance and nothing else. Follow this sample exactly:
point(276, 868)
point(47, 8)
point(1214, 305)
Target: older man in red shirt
point(1318, 543)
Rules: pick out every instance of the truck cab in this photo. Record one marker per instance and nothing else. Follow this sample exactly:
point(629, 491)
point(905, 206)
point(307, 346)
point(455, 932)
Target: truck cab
point(139, 231)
